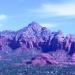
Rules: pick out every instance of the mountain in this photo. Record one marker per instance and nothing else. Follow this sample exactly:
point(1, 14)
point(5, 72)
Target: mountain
point(34, 35)
point(35, 39)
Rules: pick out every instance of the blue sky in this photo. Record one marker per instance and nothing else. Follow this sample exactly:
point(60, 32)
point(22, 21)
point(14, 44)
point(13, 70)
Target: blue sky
point(54, 14)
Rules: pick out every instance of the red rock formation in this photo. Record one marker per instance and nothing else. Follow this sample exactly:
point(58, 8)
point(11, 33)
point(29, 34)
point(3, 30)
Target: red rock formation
point(41, 59)
point(36, 36)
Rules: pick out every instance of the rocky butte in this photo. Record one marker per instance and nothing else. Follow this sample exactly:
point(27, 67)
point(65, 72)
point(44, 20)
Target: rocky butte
point(42, 45)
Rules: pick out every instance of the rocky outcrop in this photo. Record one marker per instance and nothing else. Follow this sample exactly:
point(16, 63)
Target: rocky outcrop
point(41, 59)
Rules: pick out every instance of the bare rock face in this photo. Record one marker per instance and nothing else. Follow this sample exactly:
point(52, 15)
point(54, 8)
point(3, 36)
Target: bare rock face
point(72, 45)
point(45, 33)
point(29, 35)
point(57, 42)
point(42, 59)
point(73, 58)
point(48, 58)
point(33, 35)
point(60, 56)
point(67, 43)
point(3, 42)
point(39, 61)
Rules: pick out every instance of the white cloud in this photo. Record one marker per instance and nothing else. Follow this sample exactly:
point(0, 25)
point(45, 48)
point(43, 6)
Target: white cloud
point(57, 9)
point(48, 25)
point(3, 17)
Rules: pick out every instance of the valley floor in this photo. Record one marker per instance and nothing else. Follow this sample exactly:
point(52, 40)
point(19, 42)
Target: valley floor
point(7, 68)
